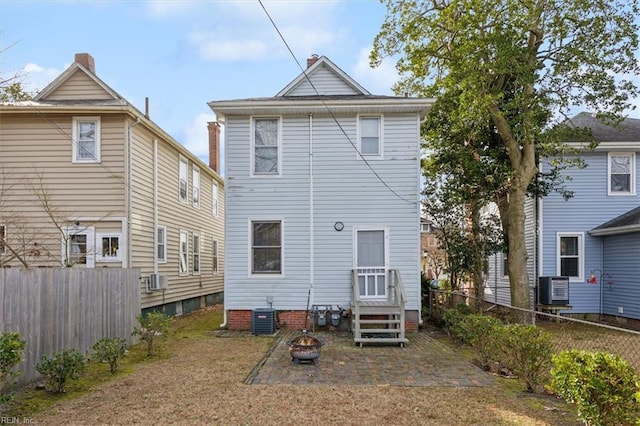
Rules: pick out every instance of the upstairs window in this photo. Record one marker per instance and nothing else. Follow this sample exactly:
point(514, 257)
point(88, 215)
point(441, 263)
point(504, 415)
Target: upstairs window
point(266, 247)
point(184, 183)
point(196, 187)
point(266, 146)
point(570, 255)
point(214, 199)
point(86, 140)
point(622, 173)
point(369, 137)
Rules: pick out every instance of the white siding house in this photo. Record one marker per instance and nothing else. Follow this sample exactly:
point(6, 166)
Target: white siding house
point(322, 181)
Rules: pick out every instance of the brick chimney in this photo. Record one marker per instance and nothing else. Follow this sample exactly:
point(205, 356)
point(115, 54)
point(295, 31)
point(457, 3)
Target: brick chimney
point(86, 61)
point(214, 145)
point(312, 60)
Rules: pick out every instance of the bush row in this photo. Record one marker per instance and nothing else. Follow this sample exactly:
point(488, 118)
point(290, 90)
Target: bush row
point(603, 386)
point(62, 367)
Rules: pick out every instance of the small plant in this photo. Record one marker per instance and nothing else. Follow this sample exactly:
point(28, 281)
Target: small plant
point(603, 386)
point(526, 350)
point(153, 327)
point(61, 368)
point(110, 350)
point(483, 332)
point(11, 348)
point(453, 321)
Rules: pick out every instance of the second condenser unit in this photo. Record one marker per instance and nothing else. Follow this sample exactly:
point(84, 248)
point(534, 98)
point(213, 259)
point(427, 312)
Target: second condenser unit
point(553, 290)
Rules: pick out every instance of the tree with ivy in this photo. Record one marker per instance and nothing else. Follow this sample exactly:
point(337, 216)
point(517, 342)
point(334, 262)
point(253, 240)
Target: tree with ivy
point(511, 71)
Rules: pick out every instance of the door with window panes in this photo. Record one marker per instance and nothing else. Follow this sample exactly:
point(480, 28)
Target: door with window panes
point(371, 265)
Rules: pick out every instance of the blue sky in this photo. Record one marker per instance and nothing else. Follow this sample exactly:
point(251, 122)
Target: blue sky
point(183, 54)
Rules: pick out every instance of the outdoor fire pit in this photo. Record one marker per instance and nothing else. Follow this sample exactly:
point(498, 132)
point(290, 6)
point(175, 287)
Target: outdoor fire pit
point(305, 348)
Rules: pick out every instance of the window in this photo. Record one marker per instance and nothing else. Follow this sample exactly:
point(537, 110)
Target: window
point(86, 140)
point(3, 236)
point(196, 254)
point(266, 158)
point(214, 251)
point(184, 184)
point(370, 140)
point(184, 253)
point(161, 248)
point(196, 187)
point(622, 173)
point(266, 247)
point(214, 198)
point(78, 247)
point(109, 247)
point(570, 255)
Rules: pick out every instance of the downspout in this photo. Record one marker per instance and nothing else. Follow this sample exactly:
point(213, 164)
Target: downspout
point(601, 274)
point(129, 200)
point(311, 223)
point(155, 205)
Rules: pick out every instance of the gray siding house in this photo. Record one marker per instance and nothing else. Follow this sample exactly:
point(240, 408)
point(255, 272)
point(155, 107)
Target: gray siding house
point(322, 203)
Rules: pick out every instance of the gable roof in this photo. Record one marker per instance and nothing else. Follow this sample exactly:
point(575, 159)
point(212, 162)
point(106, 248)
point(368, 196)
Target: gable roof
point(626, 131)
point(623, 224)
point(320, 64)
point(67, 74)
point(345, 96)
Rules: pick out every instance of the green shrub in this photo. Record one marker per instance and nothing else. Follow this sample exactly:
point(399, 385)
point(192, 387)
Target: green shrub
point(526, 350)
point(11, 348)
point(110, 350)
point(603, 386)
point(61, 368)
point(483, 332)
point(153, 327)
point(452, 322)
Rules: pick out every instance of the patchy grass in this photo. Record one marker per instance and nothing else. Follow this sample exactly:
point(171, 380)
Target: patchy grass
point(198, 378)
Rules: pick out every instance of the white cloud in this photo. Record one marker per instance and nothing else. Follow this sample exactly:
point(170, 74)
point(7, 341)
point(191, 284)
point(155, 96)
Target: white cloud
point(164, 8)
point(215, 47)
point(377, 80)
point(35, 77)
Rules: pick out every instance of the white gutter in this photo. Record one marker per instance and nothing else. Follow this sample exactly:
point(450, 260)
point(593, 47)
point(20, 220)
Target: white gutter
point(311, 207)
point(155, 205)
point(614, 230)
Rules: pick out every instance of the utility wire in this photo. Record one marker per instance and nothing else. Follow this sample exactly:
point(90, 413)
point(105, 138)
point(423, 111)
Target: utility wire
point(331, 112)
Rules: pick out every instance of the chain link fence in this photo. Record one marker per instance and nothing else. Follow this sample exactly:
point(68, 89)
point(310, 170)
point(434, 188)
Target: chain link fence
point(615, 335)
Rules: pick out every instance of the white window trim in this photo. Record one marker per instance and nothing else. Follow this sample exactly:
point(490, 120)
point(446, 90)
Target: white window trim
point(75, 142)
point(194, 253)
point(380, 155)
point(250, 247)
point(504, 262)
point(581, 254)
point(164, 244)
point(195, 186)
point(99, 256)
point(183, 160)
point(215, 256)
point(214, 199)
point(632, 183)
point(253, 147)
point(91, 252)
point(186, 253)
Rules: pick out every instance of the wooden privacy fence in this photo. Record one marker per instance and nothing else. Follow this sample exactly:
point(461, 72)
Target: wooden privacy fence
point(61, 308)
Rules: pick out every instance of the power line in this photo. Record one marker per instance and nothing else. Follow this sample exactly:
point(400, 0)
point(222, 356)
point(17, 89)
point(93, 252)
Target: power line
point(333, 117)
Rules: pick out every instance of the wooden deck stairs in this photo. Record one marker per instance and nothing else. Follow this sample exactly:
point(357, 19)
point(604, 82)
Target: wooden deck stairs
point(379, 320)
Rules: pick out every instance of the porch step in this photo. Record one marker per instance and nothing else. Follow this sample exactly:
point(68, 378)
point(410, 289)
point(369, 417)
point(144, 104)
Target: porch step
point(361, 340)
point(379, 321)
point(379, 310)
point(380, 330)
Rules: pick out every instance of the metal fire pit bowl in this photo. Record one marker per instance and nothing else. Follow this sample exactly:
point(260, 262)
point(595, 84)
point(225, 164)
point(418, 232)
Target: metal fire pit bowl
point(305, 348)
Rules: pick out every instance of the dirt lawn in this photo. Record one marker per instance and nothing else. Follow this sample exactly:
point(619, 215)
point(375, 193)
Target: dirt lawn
point(200, 381)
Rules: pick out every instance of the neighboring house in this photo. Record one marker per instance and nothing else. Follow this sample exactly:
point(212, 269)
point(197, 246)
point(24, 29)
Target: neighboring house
point(432, 256)
point(87, 180)
point(323, 196)
point(594, 237)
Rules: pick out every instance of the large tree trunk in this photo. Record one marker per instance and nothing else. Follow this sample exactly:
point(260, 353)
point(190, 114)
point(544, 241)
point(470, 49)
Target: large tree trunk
point(517, 254)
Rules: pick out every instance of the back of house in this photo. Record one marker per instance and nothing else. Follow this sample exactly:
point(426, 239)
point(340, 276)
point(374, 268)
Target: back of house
point(323, 195)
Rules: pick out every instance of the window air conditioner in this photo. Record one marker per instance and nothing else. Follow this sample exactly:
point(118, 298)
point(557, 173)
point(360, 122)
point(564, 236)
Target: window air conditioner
point(157, 282)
